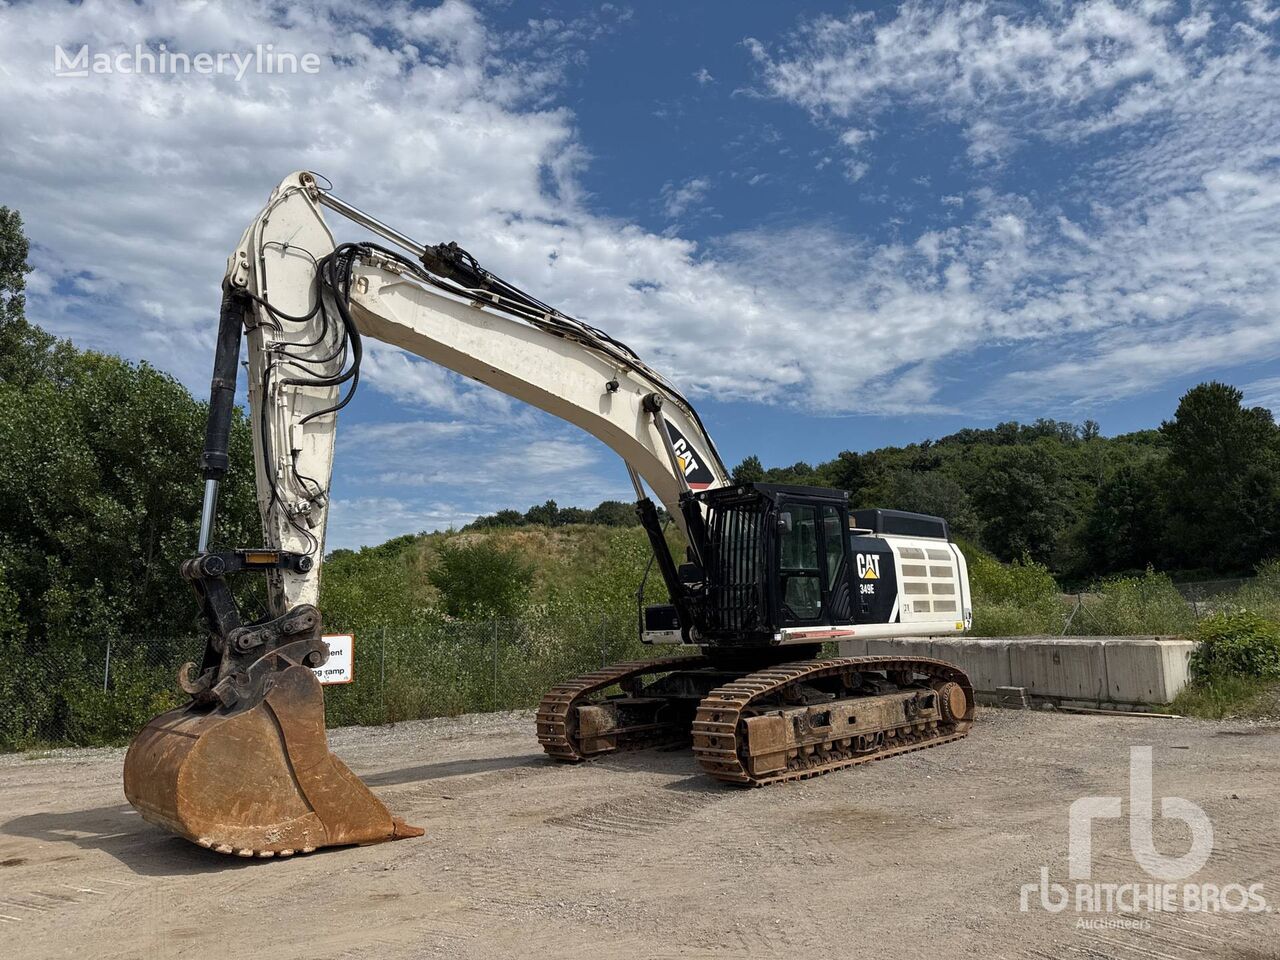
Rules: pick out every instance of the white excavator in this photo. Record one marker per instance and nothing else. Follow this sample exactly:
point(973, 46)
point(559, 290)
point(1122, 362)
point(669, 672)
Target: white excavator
point(771, 573)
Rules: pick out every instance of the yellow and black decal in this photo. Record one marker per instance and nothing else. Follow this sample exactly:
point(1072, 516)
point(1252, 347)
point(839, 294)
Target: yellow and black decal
point(696, 472)
point(875, 581)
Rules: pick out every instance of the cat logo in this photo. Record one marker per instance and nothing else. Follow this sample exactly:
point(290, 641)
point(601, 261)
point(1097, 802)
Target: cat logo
point(696, 474)
point(869, 566)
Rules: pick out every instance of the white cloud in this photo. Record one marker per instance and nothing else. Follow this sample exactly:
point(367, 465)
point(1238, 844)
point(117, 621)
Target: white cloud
point(1264, 393)
point(1262, 12)
point(1172, 266)
point(366, 521)
point(427, 118)
point(855, 170)
point(677, 198)
point(953, 55)
point(398, 435)
point(423, 475)
point(703, 76)
point(419, 461)
point(1196, 27)
point(855, 138)
point(408, 379)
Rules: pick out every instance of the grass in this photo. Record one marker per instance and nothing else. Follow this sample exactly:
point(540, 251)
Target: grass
point(1229, 698)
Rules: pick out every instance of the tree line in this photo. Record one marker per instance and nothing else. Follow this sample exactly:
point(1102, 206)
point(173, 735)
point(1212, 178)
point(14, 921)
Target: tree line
point(1199, 496)
point(609, 513)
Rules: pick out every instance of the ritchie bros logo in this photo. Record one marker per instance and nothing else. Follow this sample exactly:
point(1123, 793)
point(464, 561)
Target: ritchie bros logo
point(1164, 893)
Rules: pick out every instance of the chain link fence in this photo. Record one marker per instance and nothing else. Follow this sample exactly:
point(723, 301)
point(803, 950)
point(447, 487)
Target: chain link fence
point(1156, 605)
point(1206, 595)
point(96, 695)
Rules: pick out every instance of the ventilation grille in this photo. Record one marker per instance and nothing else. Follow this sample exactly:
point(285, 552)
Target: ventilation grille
point(929, 581)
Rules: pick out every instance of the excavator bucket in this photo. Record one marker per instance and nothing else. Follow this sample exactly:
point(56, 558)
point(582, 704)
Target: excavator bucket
point(257, 781)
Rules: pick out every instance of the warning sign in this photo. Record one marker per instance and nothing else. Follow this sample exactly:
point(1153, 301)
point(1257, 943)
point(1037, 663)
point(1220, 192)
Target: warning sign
point(340, 667)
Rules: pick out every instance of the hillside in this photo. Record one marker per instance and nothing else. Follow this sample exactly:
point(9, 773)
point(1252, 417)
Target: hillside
point(573, 566)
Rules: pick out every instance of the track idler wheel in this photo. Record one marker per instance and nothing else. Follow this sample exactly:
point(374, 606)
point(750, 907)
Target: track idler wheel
point(953, 702)
point(256, 781)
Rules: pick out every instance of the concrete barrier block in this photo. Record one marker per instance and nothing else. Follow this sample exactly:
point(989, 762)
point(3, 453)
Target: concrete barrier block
point(857, 647)
point(984, 659)
point(1147, 669)
point(1098, 670)
point(1065, 667)
point(896, 647)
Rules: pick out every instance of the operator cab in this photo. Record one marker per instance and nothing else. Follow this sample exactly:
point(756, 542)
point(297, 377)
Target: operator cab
point(781, 563)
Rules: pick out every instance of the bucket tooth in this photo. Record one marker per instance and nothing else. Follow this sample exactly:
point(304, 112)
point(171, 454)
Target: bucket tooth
point(257, 781)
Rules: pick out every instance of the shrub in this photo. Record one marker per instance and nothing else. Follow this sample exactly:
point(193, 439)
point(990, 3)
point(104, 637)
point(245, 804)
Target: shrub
point(1222, 698)
point(1126, 606)
point(1241, 644)
point(481, 579)
point(1014, 599)
point(1262, 594)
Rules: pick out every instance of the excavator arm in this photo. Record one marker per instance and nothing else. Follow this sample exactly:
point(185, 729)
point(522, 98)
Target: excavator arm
point(308, 303)
point(305, 303)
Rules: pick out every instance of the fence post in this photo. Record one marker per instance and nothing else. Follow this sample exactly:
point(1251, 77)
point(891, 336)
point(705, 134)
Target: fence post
point(382, 675)
point(495, 663)
point(604, 655)
point(106, 667)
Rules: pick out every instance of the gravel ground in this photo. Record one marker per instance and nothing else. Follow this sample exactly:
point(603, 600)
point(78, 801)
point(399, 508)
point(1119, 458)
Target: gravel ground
point(923, 855)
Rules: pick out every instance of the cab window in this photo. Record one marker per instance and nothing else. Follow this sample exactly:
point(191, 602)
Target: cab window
point(798, 562)
point(833, 537)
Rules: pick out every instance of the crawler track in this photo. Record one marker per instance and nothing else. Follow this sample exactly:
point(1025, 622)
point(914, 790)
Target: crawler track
point(555, 711)
point(717, 726)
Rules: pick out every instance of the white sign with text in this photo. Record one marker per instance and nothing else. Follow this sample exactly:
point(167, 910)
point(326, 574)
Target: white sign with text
point(340, 667)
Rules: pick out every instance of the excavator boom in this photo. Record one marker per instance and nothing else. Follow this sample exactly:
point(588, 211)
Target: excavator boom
point(244, 767)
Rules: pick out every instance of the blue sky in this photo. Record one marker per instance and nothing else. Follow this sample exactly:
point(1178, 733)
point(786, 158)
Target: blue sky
point(838, 226)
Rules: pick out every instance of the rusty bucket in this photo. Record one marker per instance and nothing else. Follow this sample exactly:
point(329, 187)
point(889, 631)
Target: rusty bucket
point(255, 781)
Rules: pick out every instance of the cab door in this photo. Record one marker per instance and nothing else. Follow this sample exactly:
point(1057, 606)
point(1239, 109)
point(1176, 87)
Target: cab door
point(837, 584)
point(800, 576)
point(813, 568)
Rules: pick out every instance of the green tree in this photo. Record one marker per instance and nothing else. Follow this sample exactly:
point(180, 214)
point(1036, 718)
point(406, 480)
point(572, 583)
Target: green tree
point(547, 514)
point(99, 503)
point(1124, 527)
point(750, 470)
point(614, 513)
point(851, 472)
point(100, 499)
point(1223, 480)
point(481, 579)
point(26, 352)
point(503, 518)
point(1021, 503)
point(373, 587)
point(567, 515)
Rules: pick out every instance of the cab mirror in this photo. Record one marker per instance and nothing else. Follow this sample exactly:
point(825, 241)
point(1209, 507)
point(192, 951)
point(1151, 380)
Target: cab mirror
point(784, 521)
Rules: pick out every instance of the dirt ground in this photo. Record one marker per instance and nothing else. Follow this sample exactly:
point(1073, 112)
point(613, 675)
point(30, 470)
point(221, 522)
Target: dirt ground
point(923, 855)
